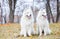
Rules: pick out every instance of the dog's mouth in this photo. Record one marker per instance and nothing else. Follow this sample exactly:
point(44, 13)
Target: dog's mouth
point(44, 16)
point(29, 17)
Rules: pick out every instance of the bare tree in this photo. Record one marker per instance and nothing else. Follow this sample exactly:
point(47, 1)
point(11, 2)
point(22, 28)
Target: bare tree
point(49, 12)
point(0, 15)
point(12, 7)
point(58, 11)
point(5, 11)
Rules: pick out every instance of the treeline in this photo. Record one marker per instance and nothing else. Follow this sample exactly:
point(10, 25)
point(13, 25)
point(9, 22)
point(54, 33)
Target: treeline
point(11, 10)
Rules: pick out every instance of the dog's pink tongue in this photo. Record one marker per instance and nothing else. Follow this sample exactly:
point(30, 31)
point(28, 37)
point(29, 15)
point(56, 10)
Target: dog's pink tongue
point(44, 16)
point(28, 17)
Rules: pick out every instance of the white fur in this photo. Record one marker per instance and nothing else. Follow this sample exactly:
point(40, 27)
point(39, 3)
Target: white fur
point(42, 23)
point(27, 24)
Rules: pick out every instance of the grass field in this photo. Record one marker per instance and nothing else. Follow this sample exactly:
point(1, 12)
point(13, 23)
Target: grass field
point(10, 31)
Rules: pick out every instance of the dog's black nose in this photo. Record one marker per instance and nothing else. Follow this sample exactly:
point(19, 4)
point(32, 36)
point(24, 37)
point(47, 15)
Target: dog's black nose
point(42, 15)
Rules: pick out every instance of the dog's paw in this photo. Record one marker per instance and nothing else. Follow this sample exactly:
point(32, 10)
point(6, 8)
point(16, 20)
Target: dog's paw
point(45, 34)
point(25, 35)
point(29, 35)
point(40, 35)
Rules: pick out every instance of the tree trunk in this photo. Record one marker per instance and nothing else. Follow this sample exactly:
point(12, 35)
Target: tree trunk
point(11, 11)
point(49, 12)
point(58, 13)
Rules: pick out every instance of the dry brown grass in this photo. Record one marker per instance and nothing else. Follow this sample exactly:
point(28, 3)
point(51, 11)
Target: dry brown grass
point(9, 31)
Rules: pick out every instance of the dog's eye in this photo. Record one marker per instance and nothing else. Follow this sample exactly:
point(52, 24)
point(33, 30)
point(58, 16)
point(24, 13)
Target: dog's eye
point(30, 14)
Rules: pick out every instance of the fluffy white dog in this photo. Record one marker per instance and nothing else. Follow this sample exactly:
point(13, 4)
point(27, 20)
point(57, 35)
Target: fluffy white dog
point(27, 22)
point(42, 23)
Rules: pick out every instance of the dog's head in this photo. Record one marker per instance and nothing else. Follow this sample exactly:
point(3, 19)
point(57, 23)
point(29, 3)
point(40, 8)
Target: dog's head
point(43, 13)
point(28, 13)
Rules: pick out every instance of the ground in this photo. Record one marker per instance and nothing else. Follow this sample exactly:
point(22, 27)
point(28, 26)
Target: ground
point(11, 31)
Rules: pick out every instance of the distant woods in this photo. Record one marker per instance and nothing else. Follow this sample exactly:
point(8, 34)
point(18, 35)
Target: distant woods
point(52, 9)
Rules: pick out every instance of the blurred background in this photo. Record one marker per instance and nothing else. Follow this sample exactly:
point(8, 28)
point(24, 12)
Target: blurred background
point(11, 10)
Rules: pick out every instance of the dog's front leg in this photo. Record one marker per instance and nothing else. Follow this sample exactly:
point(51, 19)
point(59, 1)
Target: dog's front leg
point(24, 32)
point(40, 31)
point(45, 31)
point(29, 32)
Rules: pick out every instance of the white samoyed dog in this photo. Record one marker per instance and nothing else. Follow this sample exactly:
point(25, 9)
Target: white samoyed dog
point(42, 23)
point(27, 22)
